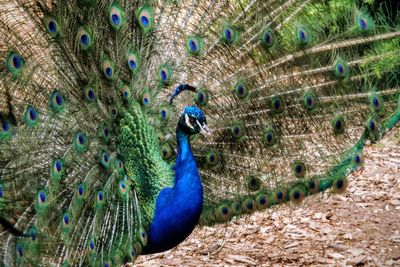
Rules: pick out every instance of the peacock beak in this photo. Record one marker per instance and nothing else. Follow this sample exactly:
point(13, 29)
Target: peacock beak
point(204, 129)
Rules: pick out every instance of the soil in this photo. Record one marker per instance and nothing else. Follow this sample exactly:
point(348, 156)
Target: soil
point(358, 228)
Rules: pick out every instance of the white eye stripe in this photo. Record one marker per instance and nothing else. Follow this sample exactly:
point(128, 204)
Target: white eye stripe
point(187, 121)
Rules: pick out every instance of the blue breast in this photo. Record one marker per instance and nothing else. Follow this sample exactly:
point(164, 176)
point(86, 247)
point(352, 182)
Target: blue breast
point(178, 209)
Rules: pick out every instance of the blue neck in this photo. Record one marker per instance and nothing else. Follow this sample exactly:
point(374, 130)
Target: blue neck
point(185, 156)
point(178, 209)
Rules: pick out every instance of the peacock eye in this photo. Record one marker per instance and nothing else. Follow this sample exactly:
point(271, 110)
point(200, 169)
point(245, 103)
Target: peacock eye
point(66, 219)
point(165, 74)
point(167, 151)
point(194, 45)
point(116, 16)
point(33, 233)
point(202, 97)
point(20, 250)
point(51, 26)
point(362, 23)
point(81, 189)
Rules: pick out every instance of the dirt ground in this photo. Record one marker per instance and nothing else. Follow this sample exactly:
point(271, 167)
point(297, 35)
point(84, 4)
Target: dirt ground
point(358, 228)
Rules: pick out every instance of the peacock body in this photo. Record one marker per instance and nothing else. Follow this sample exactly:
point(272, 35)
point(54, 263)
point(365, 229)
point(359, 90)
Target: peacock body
point(101, 103)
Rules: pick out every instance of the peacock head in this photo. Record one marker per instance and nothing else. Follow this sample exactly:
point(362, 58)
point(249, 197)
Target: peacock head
point(193, 121)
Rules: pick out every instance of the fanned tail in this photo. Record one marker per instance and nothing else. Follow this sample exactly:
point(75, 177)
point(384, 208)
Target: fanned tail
point(292, 90)
point(67, 80)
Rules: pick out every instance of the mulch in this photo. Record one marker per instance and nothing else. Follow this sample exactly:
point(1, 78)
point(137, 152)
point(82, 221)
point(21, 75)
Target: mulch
point(358, 228)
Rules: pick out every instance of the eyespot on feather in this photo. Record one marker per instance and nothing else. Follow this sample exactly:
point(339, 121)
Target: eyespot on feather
point(14, 63)
point(116, 16)
point(145, 17)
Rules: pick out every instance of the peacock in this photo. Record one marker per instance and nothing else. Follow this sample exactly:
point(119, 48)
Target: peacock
point(125, 124)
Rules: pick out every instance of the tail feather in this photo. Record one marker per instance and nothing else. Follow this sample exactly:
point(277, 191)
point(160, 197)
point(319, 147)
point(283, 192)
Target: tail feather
point(292, 91)
point(294, 88)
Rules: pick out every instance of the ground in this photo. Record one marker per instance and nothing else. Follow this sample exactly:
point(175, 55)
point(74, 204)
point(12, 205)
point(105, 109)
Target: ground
point(360, 227)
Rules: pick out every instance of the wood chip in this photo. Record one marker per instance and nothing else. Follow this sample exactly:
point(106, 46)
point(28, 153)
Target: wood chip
point(336, 255)
point(356, 251)
point(292, 245)
point(243, 259)
point(356, 261)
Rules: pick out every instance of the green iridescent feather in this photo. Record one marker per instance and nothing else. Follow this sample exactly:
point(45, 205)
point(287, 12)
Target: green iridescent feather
point(87, 130)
